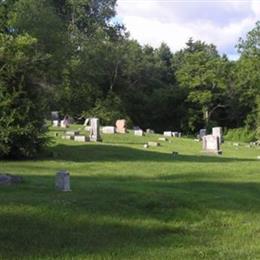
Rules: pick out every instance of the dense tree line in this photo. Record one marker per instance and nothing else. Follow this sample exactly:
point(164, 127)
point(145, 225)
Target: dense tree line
point(71, 56)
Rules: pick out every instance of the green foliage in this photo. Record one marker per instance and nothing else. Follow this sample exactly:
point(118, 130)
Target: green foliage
point(108, 110)
point(240, 134)
point(22, 131)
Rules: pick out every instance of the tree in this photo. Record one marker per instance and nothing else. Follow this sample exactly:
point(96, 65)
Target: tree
point(200, 74)
point(22, 130)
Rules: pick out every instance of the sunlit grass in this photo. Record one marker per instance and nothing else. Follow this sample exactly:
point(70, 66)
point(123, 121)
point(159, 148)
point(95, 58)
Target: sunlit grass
point(128, 202)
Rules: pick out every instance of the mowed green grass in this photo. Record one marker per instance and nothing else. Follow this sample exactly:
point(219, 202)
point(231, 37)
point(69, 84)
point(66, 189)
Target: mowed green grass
point(128, 202)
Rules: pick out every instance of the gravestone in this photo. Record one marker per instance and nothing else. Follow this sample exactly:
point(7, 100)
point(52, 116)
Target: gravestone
point(56, 123)
point(176, 134)
point(121, 126)
point(64, 123)
point(62, 182)
point(108, 130)
point(167, 133)
point(153, 144)
point(164, 139)
point(94, 134)
point(67, 137)
point(9, 179)
point(55, 115)
point(217, 131)
point(80, 138)
point(149, 131)
point(211, 144)
point(202, 133)
point(139, 132)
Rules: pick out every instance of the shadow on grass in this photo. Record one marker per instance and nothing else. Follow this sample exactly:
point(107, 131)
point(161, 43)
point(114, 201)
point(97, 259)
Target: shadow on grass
point(111, 153)
point(106, 215)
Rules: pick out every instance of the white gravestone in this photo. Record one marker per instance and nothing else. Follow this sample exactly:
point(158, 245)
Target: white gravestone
point(108, 130)
point(153, 144)
point(56, 123)
point(94, 134)
point(64, 123)
point(211, 144)
point(167, 133)
point(62, 182)
point(139, 132)
point(80, 138)
point(217, 131)
point(164, 139)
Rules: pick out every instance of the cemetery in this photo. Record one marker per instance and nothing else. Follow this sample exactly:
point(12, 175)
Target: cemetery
point(129, 129)
point(87, 198)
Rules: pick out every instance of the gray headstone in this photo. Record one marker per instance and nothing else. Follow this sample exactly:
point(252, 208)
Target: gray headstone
point(8, 179)
point(55, 115)
point(94, 134)
point(62, 182)
point(211, 144)
point(202, 133)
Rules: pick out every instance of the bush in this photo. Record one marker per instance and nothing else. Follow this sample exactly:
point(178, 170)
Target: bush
point(240, 134)
point(22, 131)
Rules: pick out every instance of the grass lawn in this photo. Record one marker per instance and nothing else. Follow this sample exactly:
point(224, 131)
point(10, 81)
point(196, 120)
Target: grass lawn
point(128, 202)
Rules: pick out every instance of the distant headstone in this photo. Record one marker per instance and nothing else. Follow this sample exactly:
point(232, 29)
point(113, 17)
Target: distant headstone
point(94, 134)
point(55, 115)
point(176, 134)
point(164, 139)
point(80, 138)
point(217, 131)
point(108, 130)
point(9, 179)
point(67, 137)
point(202, 133)
point(121, 127)
point(167, 133)
point(211, 144)
point(139, 132)
point(149, 131)
point(136, 128)
point(62, 182)
point(153, 144)
point(56, 123)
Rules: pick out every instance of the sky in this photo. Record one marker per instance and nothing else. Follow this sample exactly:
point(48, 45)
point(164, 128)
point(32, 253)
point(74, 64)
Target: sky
point(221, 22)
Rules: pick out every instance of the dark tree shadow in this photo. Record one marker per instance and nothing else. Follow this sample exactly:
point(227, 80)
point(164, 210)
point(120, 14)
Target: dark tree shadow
point(112, 153)
point(94, 218)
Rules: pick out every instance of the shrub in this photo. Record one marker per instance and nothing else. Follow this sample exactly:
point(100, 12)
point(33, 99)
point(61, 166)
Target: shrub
point(240, 134)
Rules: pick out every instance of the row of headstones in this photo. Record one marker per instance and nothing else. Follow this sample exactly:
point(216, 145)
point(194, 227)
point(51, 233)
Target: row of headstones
point(94, 133)
point(212, 143)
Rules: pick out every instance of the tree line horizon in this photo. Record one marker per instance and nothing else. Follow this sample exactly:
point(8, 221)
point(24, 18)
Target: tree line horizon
point(68, 56)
